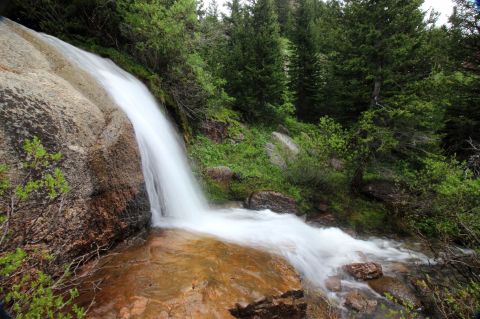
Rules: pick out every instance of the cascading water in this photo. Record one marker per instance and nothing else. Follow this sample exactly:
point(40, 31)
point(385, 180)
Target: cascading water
point(177, 201)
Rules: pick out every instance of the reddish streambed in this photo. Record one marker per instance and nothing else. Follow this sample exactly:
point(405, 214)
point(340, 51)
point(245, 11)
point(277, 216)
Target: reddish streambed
point(176, 274)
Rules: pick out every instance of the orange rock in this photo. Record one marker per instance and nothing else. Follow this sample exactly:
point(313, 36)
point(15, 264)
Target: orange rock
point(185, 276)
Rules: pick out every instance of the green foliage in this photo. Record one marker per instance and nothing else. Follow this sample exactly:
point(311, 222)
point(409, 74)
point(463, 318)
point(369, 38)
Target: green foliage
point(254, 68)
point(162, 32)
point(80, 19)
point(458, 301)
point(248, 159)
point(165, 36)
point(27, 291)
point(406, 312)
point(371, 51)
point(447, 204)
point(42, 177)
point(284, 10)
point(368, 216)
point(4, 181)
point(33, 297)
point(11, 262)
point(307, 78)
point(319, 146)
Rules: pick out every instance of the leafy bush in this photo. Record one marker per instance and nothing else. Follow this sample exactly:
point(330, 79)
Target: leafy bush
point(248, 159)
point(320, 145)
point(28, 291)
point(447, 201)
point(457, 301)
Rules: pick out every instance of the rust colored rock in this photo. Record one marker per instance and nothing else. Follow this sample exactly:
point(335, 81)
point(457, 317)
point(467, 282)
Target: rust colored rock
point(364, 271)
point(289, 305)
point(358, 301)
point(393, 286)
point(43, 95)
point(176, 274)
point(274, 201)
point(215, 130)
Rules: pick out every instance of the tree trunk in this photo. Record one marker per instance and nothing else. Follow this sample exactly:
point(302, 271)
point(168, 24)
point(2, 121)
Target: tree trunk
point(377, 87)
point(357, 179)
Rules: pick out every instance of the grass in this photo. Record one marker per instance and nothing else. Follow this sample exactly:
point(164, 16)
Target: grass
point(247, 158)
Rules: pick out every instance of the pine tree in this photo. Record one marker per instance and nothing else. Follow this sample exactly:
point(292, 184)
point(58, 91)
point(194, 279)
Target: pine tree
point(255, 68)
point(384, 40)
point(306, 72)
point(266, 74)
point(284, 10)
point(463, 90)
point(236, 52)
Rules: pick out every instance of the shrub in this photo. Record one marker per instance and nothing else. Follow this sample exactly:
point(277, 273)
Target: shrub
point(28, 291)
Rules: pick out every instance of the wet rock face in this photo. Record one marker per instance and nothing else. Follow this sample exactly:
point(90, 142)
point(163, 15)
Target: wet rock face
point(398, 290)
point(364, 271)
point(176, 274)
point(290, 305)
point(359, 301)
point(274, 201)
point(333, 283)
point(43, 95)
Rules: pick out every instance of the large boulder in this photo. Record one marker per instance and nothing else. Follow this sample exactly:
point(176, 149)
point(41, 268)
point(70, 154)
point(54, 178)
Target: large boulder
point(281, 149)
point(275, 201)
point(43, 95)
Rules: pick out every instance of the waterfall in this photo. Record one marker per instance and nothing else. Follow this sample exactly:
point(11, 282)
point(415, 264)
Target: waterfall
point(177, 201)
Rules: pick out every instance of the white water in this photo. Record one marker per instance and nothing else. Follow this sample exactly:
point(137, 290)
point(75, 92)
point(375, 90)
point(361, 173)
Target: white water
point(177, 201)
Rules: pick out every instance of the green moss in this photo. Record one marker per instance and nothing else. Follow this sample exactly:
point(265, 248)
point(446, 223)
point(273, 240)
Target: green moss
point(368, 216)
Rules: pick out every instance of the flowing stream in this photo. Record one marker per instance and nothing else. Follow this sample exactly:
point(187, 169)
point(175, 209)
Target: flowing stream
point(177, 201)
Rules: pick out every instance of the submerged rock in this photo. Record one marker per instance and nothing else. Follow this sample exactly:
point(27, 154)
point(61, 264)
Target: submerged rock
point(177, 274)
point(359, 301)
point(397, 289)
point(43, 95)
point(364, 271)
point(274, 201)
point(333, 283)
